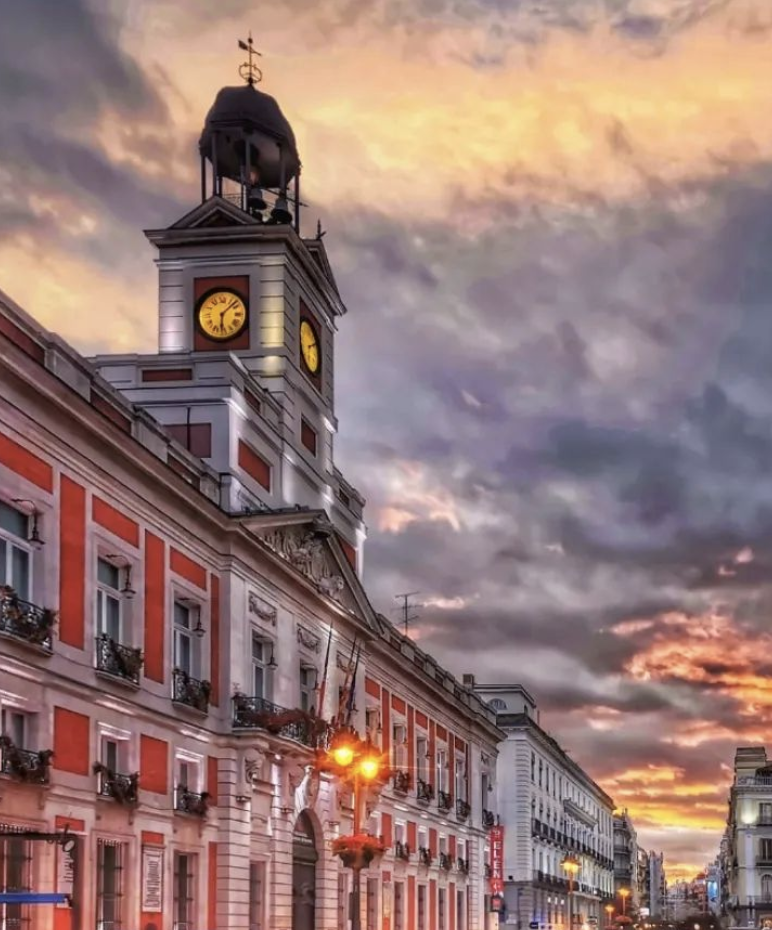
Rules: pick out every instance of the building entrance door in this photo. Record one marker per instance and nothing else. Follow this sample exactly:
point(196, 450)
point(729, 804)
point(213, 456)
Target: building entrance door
point(304, 856)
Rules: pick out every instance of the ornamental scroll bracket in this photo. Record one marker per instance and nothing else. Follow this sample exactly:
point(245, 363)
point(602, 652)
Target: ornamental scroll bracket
point(308, 639)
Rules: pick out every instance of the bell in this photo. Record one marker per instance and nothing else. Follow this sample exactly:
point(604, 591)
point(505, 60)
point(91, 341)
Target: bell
point(255, 200)
point(280, 212)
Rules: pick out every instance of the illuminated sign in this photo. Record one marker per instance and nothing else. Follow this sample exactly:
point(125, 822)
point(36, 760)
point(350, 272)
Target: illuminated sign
point(496, 836)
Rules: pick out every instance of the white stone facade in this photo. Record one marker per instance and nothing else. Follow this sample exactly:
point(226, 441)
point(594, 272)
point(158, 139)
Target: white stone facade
point(550, 809)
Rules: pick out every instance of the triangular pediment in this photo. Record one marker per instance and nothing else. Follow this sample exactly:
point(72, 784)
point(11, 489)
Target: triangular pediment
point(307, 542)
point(213, 213)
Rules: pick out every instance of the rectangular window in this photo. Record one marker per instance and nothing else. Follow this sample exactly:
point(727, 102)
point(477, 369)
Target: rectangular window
point(262, 665)
point(108, 600)
point(184, 886)
point(422, 756)
point(253, 403)
point(109, 897)
point(114, 753)
point(461, 779)
point(399, 747)
point(307, 688)
point(460, 910)
point(15, 557)
point(442, 908)
point(442, 769)
point(16, 725)
point(185, 654)
point(766, 851)
point(308, 435)
point(372, 724)
point(765, 813)
point(195, 437)
point(257, 896)
point(15, 875)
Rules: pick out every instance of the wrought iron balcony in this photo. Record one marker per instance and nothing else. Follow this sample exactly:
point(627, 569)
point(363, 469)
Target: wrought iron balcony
point(487, 870)
point(188, 802)
point(462, 809)
point(424, 792)
point(24, 621)
point(255, 713)
point(424, 856)
point(444, 800)
point(119, 661)
point(488, 819)
point(402, 851)
point(446, 862)
point(462, 865)
point(190, 691)
point(25, 765)
point(401, 782)
point(121, 788)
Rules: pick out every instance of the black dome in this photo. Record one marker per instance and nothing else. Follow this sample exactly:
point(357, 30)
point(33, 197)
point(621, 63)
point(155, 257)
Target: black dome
point(241, 114)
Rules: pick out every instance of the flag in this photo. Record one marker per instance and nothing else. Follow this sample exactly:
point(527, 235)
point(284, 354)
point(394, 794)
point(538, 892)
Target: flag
point(243, 45)
point(323, 685)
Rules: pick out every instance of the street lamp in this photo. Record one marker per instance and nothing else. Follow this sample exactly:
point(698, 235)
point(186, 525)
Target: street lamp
point(609, 909)
point(359, 763)
point(571, 867)
point(624, 894)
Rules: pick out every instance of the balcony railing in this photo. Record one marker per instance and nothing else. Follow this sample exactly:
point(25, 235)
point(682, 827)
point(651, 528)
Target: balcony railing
point(120, 661)
point(190, 691)
point(424, 856)
point(25, 765)
point(424, 792)
point(255, 713)
point(446, 862)
point(402, 851)
point(24, 621)
point(462, 809)
point(444, 800)
point(188, 802)
point(462, 865)
point(121, 788)
point(488, 819)
point(401, 782)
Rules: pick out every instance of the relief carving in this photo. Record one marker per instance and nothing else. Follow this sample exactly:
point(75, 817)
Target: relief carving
point(308, 639)
point(305, 550)
point(262, 608)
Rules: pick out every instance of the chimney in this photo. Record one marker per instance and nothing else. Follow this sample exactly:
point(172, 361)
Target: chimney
point(468, 680)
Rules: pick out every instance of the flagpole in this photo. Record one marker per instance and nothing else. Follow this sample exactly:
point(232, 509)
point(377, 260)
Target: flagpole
point(323, 685)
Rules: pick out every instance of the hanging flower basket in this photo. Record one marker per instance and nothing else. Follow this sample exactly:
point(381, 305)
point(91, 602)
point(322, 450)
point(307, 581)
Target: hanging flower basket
point(358, 851)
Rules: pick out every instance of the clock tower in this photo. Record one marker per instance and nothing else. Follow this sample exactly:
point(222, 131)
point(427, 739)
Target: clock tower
point(247, 314)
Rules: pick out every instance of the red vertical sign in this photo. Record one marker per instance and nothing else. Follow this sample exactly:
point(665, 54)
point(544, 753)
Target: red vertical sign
point(496, 835)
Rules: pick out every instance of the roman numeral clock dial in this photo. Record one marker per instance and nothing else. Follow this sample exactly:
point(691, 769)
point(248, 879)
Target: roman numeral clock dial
point(222, 315)
point(309, 347)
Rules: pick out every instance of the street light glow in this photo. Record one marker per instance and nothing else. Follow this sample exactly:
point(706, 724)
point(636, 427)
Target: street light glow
point(369, 767)
point(343, 755)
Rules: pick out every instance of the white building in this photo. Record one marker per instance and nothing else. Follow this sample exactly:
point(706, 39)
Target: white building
point(626, 859)
point(747, 856)
point(550, 809)
point(178, 556)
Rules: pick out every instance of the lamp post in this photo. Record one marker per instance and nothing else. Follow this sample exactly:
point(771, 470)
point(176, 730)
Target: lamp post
point(609, 909)
point(359, 763)
point(570, 866)
point(624, 894)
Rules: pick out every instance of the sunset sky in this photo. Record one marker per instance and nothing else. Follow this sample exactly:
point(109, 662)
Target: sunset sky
point(552, 223)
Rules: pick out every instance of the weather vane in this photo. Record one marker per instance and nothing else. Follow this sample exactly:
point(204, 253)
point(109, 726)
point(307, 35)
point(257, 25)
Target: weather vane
point(249, 70)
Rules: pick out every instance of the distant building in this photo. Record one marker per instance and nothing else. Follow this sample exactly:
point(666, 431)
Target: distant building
point(657, 885)
point(626, 859)
point(550, 810)
point(644, 902)
point(747, 852)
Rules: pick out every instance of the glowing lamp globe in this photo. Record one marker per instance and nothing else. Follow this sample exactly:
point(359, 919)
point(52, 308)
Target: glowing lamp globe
point(343, 755)
point(369, 767)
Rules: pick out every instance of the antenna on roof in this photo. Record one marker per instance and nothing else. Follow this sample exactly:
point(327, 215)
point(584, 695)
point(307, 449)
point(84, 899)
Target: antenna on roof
point(406, 607)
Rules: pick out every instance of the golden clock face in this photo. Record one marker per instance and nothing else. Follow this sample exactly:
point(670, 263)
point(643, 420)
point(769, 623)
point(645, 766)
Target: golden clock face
point(309, 346)
point(222, 315)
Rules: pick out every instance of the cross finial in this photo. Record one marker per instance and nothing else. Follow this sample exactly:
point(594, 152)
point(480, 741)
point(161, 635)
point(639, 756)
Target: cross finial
point(249, 70)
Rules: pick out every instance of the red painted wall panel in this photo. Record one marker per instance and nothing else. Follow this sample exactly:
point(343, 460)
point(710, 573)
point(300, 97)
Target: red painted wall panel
point(72, 563)
point(155, 598)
